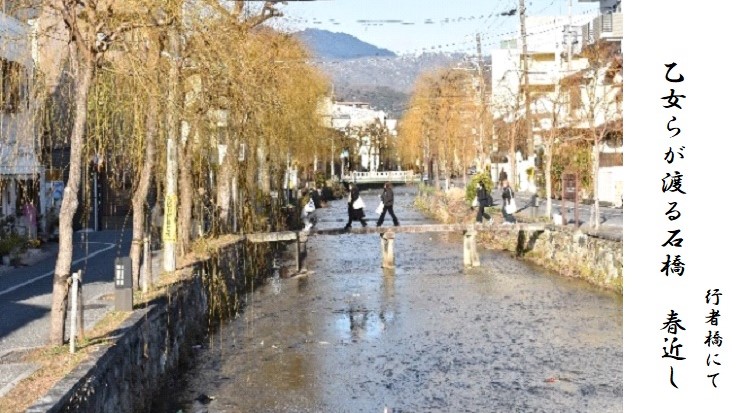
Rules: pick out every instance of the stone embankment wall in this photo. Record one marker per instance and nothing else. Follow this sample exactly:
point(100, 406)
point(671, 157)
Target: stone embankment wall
point(126, 372)
point(563, 249)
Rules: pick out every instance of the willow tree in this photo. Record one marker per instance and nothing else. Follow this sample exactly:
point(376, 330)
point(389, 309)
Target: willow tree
point(255, 92)
point(441, 121)
point(92, 27)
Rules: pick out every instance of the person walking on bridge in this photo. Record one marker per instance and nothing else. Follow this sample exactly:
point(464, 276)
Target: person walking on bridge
point(355, 207)
point(484, 200)
point(387, 199)
point(508, 203)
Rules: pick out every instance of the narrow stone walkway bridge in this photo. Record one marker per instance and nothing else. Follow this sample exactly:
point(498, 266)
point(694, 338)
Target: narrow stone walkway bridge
point(387, 237)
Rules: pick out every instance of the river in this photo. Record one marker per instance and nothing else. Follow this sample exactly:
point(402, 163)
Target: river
point(429, 336)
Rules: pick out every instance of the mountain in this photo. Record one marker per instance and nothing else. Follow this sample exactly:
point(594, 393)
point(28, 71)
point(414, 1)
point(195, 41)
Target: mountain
point(364, 72)
point(330, 45)
point(386, 83)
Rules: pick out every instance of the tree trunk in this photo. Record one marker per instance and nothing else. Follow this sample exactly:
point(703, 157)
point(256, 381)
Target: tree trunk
point(224, 179)
point(513, 159)
point(186, 196)
point(447, 177)
point(139, 199)
point(83, 78)
point(548, 158)
point(595, 181)
point(265, 183)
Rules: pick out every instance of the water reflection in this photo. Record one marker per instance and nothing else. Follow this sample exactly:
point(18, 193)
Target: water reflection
point(350, 336)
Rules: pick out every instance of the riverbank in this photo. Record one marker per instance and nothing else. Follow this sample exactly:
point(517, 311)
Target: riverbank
point(563, 249)
point(119, 368)
point(426, 336)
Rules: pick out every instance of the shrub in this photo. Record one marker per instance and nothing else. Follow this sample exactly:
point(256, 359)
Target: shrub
point(319, 179)
point(483, 177)
point(12, 244)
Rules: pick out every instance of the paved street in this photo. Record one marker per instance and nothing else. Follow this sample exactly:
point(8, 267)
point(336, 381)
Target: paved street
point(25, 296)
point(609, 216)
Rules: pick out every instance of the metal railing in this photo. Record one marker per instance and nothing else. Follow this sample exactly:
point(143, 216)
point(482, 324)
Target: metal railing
point(382, 176)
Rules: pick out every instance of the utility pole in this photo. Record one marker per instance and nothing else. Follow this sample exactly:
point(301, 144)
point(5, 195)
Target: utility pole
point(526, 82)
point(570, 38)
point(171, 198)
point(482, 102)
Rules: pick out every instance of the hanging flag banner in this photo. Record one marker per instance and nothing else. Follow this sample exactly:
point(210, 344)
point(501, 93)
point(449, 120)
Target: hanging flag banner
point(169, 218)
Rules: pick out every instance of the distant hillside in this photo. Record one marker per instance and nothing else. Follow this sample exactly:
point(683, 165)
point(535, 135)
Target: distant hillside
point(363, 72)
point(386, 83)
point(330, 45)
point(398, 73)
point(383, 98)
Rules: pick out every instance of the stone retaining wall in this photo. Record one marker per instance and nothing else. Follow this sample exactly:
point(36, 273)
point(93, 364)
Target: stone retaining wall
point(152, 342)
point(565, 250)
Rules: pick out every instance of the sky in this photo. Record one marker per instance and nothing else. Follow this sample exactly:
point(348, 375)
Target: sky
point(413, 26)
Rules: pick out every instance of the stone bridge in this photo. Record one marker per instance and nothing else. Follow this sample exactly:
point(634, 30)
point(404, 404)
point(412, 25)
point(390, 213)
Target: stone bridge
point(387, 237)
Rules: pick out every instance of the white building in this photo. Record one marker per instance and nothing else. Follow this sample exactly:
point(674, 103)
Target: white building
point(21, 174)
point(552, 57)
point(370, 128)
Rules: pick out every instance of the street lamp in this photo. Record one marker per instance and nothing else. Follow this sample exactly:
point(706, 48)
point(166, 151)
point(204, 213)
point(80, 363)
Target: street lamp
point(123, 284)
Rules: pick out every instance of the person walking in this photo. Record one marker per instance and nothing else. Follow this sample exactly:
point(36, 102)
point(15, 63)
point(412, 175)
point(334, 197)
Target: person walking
point(508, 203)
point(387, 199)
point(502, 176)
point(483, 197)
point(355, 207)
point(309, 210)
point(29, 218)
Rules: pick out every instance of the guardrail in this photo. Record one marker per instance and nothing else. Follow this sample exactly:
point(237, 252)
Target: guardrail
point(382, 176)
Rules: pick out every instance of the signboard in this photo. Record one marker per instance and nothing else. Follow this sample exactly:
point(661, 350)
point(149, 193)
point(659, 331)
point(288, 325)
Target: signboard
point(569, 187)
point(169, 218)
point(58, 189)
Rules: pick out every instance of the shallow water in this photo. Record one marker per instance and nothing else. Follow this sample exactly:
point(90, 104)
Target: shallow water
point(428, 336)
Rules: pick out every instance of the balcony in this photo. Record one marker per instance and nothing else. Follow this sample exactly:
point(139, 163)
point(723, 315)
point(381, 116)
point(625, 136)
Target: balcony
point(606, 27)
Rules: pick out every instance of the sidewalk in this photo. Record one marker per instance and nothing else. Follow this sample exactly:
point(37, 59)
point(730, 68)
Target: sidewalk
point(611, 218)
point(25, 296)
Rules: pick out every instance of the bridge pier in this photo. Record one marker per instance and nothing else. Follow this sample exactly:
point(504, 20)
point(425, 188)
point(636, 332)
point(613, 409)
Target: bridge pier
point(386, 245)
point(301, 250)
point(470, 253)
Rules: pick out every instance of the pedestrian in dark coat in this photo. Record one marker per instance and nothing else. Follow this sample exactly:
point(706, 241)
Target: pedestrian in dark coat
point(315, 195)
point(355, 214)
point(502, 176)
point(483, 196)
point(387, 198)
point(508, 196)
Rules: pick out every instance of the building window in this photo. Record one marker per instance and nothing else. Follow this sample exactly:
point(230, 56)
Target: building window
point(11, 85)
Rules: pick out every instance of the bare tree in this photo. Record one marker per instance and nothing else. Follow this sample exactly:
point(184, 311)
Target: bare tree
point(601, 109)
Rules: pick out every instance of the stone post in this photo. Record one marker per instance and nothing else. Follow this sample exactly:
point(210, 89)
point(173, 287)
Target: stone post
point(301, 250)
point(386, 245)
point(470, 254)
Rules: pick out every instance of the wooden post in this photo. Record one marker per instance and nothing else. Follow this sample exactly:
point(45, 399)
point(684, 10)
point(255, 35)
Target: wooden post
point(386, 245)
point(470, 254)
